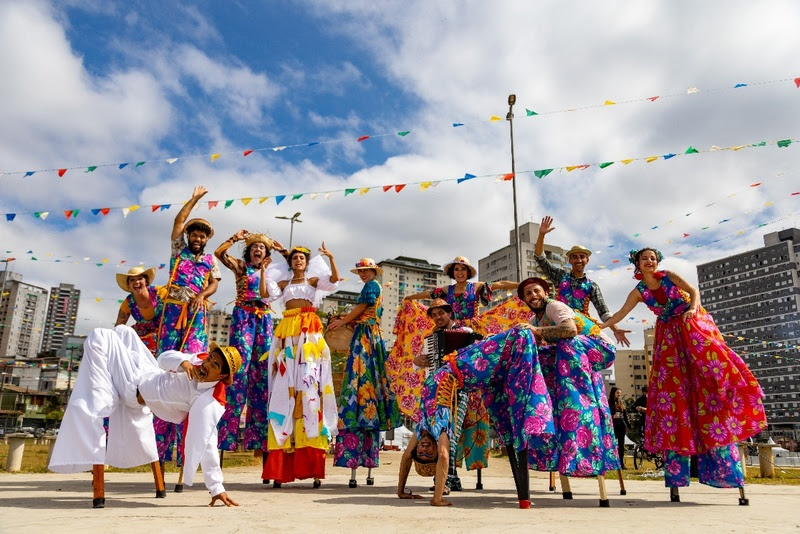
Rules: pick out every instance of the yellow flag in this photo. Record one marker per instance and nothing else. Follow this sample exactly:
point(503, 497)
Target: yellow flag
point(738, 147)
point(424, 185)
point(247, 200)
point(215, 157)
point(651, 159)
point(494, 118)
point(133, 207)
point(98, 299)
point(363, 191)
point(626, 161)
point(571, 168)
point(610, 103)
point(262, 199)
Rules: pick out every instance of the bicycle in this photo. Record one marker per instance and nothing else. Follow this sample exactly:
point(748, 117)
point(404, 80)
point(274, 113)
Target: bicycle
point(640, 454)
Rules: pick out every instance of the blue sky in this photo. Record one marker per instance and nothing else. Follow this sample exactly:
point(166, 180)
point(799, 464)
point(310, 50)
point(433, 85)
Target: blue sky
point(90, 82)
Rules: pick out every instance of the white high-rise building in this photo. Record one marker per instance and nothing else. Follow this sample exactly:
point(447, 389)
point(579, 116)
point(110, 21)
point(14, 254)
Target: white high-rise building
point(22, 316)
point(62, 313)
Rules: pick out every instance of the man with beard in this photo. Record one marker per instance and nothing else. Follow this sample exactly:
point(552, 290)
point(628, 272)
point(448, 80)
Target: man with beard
point(572, 349)
point(441, 313)
point(194, 276)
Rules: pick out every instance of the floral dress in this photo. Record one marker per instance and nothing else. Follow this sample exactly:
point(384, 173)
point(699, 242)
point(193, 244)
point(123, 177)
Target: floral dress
point(251, 334)
point(584, 443)
point(702, 398)
point(366, 404)
point(504, 369)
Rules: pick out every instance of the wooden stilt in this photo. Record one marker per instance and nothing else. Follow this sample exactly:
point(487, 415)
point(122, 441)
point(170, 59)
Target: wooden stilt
point(479, 485)
point(622, 490)
point(566, 491)
point(353, 482)
point(98, 486)
point(370, 480)
point(552, 486)
point(263, 463)
point(179, 485)
point(674, 496)
point(601, 483)
point(743, 501)
point(159, 480)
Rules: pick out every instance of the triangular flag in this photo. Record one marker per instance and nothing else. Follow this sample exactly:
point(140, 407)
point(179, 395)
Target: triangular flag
point(583, 167)
point(313, 143)
point(404, 133)
point(542, 173)
point(262, 200)
point(10, 216)
point(467, 176)
point(247, 153)
point(457, 124)
point(215, 157)
point(610, 103)
point(125, 212)
point(797, 82)
point(399, 187)
point(328, 195)
point(424, 185)
point(134, 207)
point(155, 207)
point(228, 203)
point(165, 206)
point(172, 160)
point(314, 195)
point(386, 188)
point(691, 150)
point(530, 112)
point(692, 90)
point(140, 164)
point(29, 173)
point(784, 143)
point(571, 168)
point(737, 148)
point(122, 166)
point(297, 196)
point(651, 159)
point(714, 148)
point(652, 98)
point(246, 200)
point(362, 138)
point(668, 156)
point(278, 148)
point(61, 172)
point(755, 184)
point(363, 191)
point(494, 118)
point(212, 203)
point(43, 214)
point(625, 161)
point(279, 199)
point(508, 177)
point(348, 192)
point(606, 164)
point(738, 85)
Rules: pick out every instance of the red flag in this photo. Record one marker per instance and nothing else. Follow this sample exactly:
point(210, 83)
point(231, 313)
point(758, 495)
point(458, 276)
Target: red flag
point(247, 153)
point(653, 98)
point(212, 203)
point(155, 207)
point(399, 187)
point(508, 177)
point(797, 82)
point(61, 172)
point(755, 184)
point(105, 211)
point(67, 213)
point(362, 138)
point(386, 188)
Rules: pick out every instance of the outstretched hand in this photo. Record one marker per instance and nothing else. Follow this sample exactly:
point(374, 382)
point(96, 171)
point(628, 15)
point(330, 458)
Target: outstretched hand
point(224, 499)
point(622, 339)
point(324, 251)
point(199, 191)
point(547, 225)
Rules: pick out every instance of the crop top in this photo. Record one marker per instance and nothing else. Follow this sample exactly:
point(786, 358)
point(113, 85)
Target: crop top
point(298, 291)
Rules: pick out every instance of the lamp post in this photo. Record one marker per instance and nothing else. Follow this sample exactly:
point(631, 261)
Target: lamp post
point(512, 99)
point(293, 219)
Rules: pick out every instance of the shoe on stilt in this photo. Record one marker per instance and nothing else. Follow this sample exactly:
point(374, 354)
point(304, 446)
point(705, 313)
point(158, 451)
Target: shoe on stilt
point(370, 481)
point(353, 483)
point(276, 484)
point(317, 483)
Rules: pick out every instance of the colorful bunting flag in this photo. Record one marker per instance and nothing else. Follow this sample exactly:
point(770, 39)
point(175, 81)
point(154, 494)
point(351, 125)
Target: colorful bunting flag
point(172, 160)
point(542, 173)
point(399, 187)
point(122, 166)
point(386, 188)
point(404, 133)
point(212, 203)
point(362, 138)
point(279, 199)
point(297, 196)
point(467, 176)
point(494, 118)
point(61, 172)
point(228, 204)
point(349, 192)
point(247, 153)
point(215, 157)
point(530, 112)
point(246, 200)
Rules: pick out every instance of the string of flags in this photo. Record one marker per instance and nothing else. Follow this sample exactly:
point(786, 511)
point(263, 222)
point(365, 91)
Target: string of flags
point(397, 188)
point(244, 152)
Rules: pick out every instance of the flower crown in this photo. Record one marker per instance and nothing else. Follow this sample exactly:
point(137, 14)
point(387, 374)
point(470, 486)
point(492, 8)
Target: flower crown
point(304, 250)
point(634, 252)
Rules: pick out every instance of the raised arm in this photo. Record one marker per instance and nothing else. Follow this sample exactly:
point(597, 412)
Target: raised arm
point(180, 219)
point(418, 296)
point(544, 228)
point(694, 294)
point(596, 297)
point(634, 298)
point(222, 252)
point(334, 271)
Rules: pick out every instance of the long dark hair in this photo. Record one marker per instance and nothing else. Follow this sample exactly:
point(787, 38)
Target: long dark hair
point(612, 399)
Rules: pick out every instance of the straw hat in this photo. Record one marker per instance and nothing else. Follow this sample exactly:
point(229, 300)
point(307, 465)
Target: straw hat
point(425, 469)
point(231, 355)
point(577, 248)
point(367, 263)
point(122, 278)
point(439, 303)
point(258, 238)
point(199, 220)
point(534, 280)
point(460, 260)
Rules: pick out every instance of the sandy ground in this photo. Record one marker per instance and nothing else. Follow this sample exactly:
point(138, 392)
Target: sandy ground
point(53, 503)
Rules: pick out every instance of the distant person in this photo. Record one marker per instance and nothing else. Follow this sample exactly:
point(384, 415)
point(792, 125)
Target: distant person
point(619, 414)
point(640, 405)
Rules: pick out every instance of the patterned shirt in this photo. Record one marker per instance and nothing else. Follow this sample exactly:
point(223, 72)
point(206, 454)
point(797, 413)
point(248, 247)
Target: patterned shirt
point(573, 291)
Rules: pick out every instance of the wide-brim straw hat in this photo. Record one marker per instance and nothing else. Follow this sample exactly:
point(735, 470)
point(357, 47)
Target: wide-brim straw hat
point(366, 263)
point(122, 278)
point(577, 248)
point(258, 238)
point(533, 280)
point(231, 355)
point(201, 221)
point(460, 260)
point(439, 303)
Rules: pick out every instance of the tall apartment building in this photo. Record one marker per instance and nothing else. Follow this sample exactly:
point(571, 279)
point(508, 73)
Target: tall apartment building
point(22, 316)
point(219, 327)
point(405, 276)
point(754, 297)
point(630, 371)
point(501, 264)
point(62, 312)
point(339, 302)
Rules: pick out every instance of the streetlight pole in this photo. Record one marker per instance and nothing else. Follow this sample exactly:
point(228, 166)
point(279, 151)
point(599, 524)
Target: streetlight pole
point(293, 219)
point(512, 99)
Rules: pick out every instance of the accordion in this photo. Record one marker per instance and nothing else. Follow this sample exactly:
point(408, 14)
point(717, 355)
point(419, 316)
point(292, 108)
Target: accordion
point(443, 342)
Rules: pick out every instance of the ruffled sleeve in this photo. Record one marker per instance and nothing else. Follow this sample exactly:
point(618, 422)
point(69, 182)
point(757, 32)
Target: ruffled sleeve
point(319, 269)
point(439, 293)
point(370, 293)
